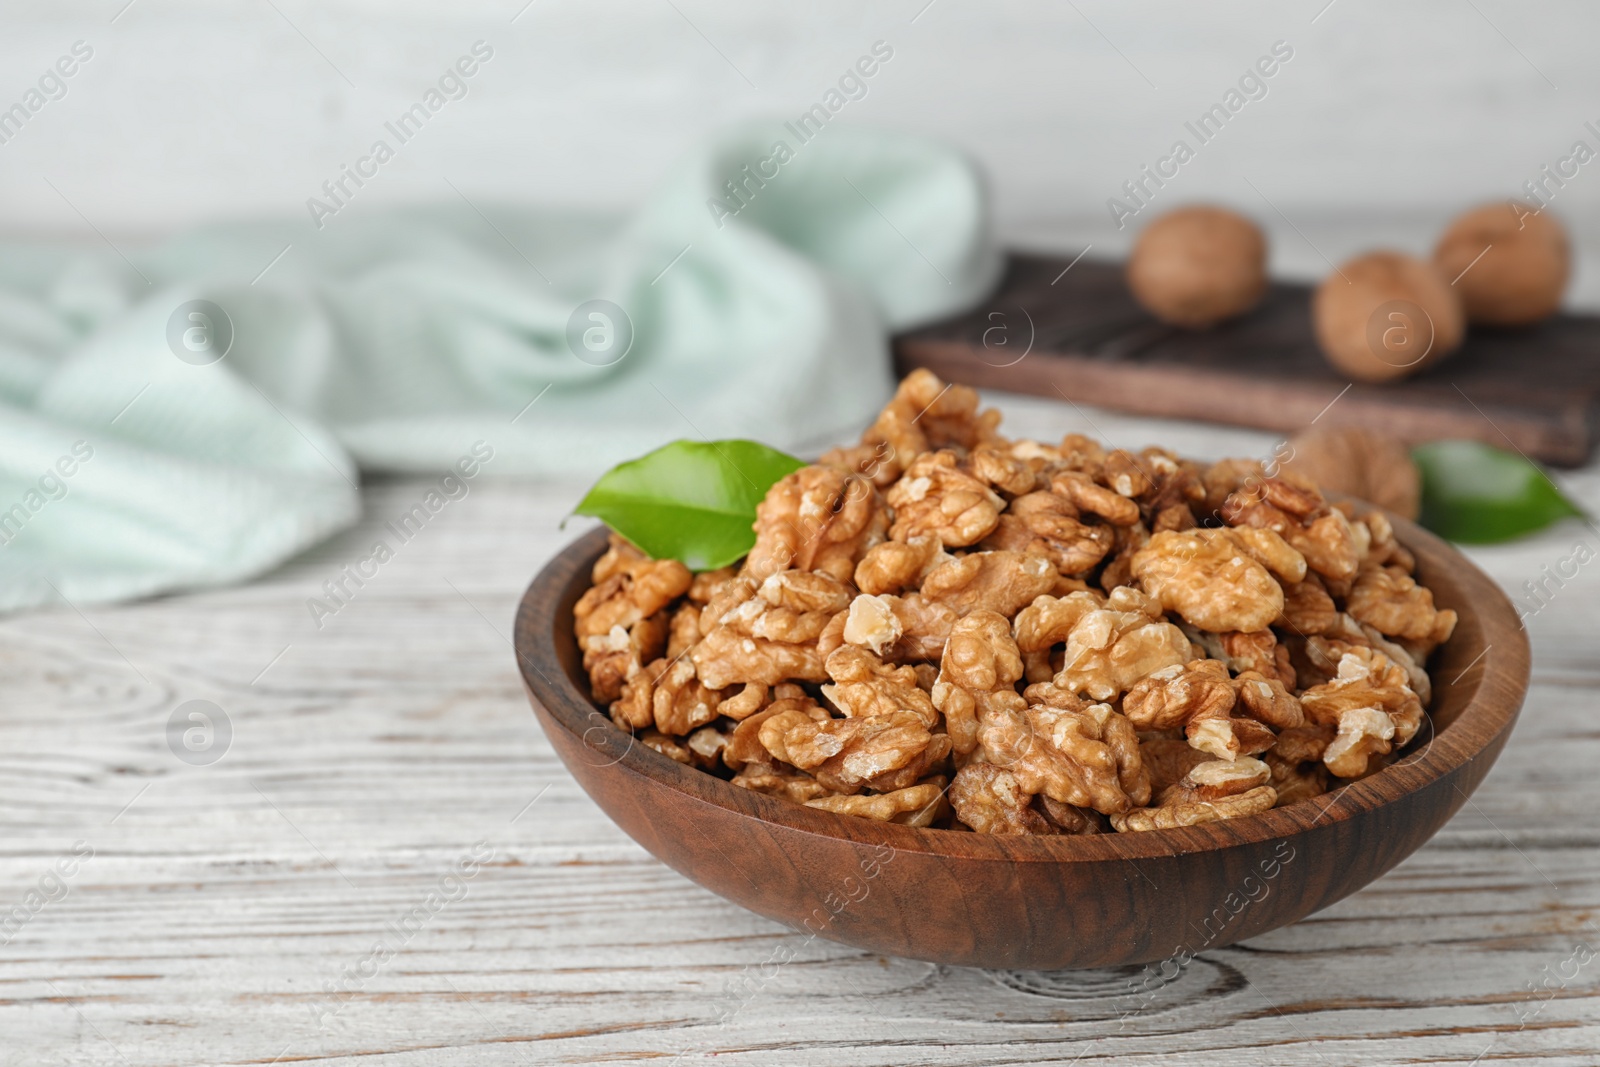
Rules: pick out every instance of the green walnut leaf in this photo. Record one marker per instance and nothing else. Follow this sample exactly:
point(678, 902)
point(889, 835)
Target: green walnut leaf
point(692, 501)
point(1478, 494)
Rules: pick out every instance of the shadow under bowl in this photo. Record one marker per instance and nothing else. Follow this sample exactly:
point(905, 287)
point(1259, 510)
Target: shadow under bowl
point(981, 900)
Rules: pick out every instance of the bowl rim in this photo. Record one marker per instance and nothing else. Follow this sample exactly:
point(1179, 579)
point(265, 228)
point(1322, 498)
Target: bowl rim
point(1501, 670)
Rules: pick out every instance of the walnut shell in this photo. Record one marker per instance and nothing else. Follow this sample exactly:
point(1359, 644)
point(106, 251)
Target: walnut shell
point(1198, 265)
point(1361, 463)
point(1386, 315)
point(1520, 278)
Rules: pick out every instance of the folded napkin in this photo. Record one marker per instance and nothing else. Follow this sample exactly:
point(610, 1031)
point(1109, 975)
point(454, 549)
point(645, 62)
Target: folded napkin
point(760, 283)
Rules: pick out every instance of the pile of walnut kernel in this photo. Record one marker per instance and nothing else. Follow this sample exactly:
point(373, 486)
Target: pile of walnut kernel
point(943, 627)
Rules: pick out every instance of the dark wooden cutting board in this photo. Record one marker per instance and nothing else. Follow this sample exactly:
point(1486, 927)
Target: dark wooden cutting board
point(1536, 389)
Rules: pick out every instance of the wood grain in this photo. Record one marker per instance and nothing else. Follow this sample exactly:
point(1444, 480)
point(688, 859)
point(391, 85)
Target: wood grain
point(1080, 335)
point(206, 923)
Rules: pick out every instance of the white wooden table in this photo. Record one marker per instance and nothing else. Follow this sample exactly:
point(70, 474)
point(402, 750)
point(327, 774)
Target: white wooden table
point(207, 909)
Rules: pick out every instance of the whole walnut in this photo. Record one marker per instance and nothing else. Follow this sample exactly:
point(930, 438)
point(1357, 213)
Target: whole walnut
point(1524, 266)
point(1197, 266)
point(1386, 315)
point(1358, 462)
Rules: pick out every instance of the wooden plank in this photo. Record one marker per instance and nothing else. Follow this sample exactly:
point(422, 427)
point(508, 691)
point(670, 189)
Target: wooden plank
point(1081, 335)
point(369, 757)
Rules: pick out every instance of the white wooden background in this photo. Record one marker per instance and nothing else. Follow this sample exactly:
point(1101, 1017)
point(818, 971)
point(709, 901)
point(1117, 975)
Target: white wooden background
point(367, 758)
point(1389, 119)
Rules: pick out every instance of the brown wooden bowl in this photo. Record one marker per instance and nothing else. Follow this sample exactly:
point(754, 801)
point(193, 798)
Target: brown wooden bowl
point(1038, 902)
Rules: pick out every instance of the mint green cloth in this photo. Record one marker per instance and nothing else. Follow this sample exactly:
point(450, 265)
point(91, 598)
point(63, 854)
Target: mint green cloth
point(397, 341)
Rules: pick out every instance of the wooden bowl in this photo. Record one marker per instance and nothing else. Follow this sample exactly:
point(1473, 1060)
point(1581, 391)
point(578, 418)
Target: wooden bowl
point(1038, 902)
